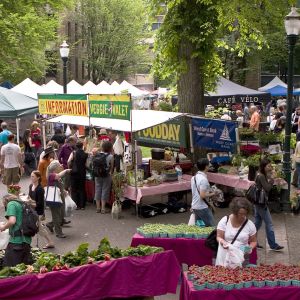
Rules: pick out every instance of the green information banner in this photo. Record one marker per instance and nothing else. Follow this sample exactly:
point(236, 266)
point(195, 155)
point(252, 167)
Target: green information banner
point(110, 106)
point(170, 134)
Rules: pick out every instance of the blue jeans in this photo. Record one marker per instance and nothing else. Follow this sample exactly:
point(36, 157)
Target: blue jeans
point(263, 214)
point(298, 172)
point(205, 215)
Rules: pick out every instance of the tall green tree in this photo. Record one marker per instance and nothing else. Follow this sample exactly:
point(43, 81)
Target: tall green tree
point(113, 33)
point(190, 40)
point(26, 29)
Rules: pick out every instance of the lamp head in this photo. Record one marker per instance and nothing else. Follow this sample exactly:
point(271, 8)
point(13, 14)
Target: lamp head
point(64, 50)
point(292, 23)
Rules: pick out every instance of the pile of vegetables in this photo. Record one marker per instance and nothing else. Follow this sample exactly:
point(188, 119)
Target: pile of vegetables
point(217, 277)
point(44, 262)
point(174, 231)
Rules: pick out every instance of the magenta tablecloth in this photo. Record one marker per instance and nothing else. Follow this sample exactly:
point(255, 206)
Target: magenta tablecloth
point(229, 180)
point(164, 188)
point(151, 275)
point(188, 251)
point(187, 292)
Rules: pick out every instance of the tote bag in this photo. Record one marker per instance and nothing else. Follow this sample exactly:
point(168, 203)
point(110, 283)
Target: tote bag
point(52, 196)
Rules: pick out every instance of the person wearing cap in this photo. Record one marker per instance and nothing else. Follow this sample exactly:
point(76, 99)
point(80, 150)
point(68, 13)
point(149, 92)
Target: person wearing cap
point(11, 162)
point(103, 136)
point(4, 134)
point(44, 163)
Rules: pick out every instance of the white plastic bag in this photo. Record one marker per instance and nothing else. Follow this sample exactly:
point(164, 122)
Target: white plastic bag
point(4, 239)
point(70, 205)
point(192, 220)
point(231, 257)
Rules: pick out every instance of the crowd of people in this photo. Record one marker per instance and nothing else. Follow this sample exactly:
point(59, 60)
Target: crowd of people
point(62, 165)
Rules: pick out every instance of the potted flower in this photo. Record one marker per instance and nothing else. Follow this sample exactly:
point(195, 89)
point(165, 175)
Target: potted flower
point(14, 189)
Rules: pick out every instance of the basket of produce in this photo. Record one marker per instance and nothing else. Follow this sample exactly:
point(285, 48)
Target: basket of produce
point(152, 181)
point(159, 165)
point(139, 178)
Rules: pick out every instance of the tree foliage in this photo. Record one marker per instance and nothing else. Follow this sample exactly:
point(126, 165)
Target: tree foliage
point(26, 29)
point(211, 29)
point(113, 35)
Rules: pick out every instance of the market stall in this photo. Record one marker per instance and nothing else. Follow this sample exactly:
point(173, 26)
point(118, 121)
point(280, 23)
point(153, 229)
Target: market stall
point(144, 272)
point(264, 282)
point(187, 242)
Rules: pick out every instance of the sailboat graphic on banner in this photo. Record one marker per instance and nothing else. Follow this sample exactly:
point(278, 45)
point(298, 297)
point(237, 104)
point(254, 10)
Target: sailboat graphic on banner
point(225, 134)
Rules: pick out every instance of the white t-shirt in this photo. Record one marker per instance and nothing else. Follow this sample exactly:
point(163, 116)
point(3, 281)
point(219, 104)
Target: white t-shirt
point(11, 153)
point(273, 124)
point(203, 185)
point(230, 232)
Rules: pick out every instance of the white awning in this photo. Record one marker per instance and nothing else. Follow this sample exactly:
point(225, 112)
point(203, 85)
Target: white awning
point(141, 119)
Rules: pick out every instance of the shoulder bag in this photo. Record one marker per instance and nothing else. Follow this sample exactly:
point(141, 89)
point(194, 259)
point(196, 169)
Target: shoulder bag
point(205, 201)
point(211, 241)
point(53, 196)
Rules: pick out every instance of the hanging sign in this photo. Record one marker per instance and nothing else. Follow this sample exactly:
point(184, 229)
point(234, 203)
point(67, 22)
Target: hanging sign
point(110, 106)
point(169, 134)
point(214, 134)
point(63, 104)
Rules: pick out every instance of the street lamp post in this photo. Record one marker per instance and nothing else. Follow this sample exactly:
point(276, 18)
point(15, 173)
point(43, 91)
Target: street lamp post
point(64, 54)
point(292, 27)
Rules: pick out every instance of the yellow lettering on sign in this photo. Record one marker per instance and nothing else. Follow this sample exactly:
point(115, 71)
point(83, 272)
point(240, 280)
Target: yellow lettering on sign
point(63, 107)
point(176, 131)
point(164, 133)
point(158, 131)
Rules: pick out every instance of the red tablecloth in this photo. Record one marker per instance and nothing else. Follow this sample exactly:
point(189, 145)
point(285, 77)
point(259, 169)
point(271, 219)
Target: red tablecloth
point(229, 180)
point(164, 188)
point(188, 251)
point(151, 275)
point(187, 292)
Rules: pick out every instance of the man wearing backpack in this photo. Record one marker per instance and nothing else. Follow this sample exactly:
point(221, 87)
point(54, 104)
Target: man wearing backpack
point(103, 164)
point(18, 248)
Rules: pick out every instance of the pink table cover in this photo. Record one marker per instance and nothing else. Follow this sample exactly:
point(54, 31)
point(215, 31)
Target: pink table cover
point(187, 292)
point(229, 180)
point(187, 250)
point(164, 188)
point(151, 275)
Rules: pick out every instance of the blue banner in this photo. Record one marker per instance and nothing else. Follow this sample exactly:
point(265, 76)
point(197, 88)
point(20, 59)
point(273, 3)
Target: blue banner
point(214, 134)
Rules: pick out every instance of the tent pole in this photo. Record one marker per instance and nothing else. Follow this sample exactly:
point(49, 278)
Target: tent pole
point(44, 134)
point(18, 130)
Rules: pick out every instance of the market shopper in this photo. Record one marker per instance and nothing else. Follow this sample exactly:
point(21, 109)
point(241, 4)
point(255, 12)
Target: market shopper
point(18, 248)
point(36, 193)
point(77, 164)
point(201, 193)
point(264, 181)
point(240, 118)
point(255, 118)
point(103, 165)
point(36, 137)
point(44, 163)
point(29, 156)
point(229, 226)
point(59, 137)
point(4, 134)
point(55, 173)
point(11, 162)
point(297, 163)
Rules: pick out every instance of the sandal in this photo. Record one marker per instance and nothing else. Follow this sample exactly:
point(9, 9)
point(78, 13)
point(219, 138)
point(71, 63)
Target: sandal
point(103, 211)
point(98, 210)
point(48, 246)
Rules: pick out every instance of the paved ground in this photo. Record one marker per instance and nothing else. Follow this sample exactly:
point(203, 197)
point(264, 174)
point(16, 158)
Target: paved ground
point(88, 226)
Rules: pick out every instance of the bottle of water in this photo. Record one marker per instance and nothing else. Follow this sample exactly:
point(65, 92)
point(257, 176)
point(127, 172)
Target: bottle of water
point(179, 172)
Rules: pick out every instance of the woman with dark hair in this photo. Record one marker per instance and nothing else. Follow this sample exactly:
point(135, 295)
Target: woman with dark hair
point(229, 226)
point(77, 164)
point(200, 192)
point(29, 156)
point(36, 193)
point(264, 182)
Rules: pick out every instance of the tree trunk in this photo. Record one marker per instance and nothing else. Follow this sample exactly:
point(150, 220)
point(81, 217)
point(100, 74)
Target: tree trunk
point(190, 82)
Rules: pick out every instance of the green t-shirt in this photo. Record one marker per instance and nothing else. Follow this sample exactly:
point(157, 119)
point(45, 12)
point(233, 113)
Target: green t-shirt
point(14, 208)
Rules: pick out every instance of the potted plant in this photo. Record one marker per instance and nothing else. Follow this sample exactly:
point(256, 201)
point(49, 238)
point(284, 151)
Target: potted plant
point(118, 185)
point(253, 162)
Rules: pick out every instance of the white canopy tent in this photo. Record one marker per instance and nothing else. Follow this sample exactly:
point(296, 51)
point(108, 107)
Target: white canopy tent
point(28, 88)
point(89, 88)
point(141, 119)
point(134, 91)
point(274, 82)
point(73, 87)
point(52, 87)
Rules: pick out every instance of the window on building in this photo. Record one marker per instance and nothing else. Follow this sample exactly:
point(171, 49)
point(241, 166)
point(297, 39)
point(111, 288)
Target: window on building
point(76, 68)
point(69, 31)
point(76, 32)
point(82, 70)
point(82, 38)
